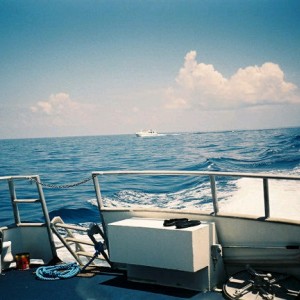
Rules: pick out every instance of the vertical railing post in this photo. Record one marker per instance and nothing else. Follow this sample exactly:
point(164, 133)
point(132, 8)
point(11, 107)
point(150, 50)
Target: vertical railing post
point(266, 198)
point(98, 192)
point(214, 193)
point(46, 214)
point(13, 197)
point(100, 206)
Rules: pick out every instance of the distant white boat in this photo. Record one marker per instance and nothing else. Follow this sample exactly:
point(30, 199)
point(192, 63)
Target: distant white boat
point(146, 133)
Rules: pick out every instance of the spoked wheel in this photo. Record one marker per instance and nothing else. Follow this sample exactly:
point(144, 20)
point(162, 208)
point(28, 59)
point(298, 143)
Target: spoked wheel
point(253, 285)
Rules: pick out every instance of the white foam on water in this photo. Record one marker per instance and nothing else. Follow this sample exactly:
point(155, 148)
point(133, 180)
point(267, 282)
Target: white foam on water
point(188, 198)
point(245, 197)
point(284, 198)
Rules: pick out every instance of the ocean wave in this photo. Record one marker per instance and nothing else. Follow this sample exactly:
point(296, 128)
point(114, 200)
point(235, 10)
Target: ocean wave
point(75, 215)
point(196, 194)
point(206, 164)
point(296, 138)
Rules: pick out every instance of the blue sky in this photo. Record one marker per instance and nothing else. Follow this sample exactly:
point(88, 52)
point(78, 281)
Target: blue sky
point(72, 68)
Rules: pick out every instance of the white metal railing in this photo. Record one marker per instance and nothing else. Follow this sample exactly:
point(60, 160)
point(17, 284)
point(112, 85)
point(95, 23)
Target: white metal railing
point(211, 176)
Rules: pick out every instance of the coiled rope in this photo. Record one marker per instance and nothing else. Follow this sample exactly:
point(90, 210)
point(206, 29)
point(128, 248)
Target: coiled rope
point(63, 271)
point(68, 270)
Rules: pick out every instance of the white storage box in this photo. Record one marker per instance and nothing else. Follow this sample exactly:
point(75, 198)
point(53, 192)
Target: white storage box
point(146, 242)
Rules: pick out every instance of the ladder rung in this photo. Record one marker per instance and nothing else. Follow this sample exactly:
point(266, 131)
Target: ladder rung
point(70, 239)
point(27, 224)
point(83, 253)
point(90, 254)
point(68, 226)
point(26, 200)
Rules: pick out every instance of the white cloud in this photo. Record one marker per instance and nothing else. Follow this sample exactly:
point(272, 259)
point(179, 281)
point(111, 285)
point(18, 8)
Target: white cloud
point(199, 85)
point(61, 115)
point(135, 109)
point(61, 110)
point(57, 104)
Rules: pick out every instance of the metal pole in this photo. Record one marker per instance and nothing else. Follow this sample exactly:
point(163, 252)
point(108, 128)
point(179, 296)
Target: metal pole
point(13, 197)
point(100, 206)
point(98, 192)
point(46, 215)
point(266, 198)
point(214, 193)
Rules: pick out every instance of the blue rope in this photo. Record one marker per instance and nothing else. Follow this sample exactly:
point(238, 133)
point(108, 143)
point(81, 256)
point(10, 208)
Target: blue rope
point(65, 271)
point(57, 272)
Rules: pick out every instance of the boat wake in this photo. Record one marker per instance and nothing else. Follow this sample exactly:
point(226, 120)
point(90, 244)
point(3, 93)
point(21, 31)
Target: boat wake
point(241, 196)
point(284, 199)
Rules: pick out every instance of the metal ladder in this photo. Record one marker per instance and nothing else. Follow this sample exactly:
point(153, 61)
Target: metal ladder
point(69, 240)
point(41, 199)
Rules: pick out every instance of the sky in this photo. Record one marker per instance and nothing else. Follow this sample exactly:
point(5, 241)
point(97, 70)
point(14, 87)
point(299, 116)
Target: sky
point(75, 68)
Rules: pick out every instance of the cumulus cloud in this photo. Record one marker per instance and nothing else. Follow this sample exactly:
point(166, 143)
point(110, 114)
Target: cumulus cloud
point(56, 105)
point(201, 85)
point(59, 109)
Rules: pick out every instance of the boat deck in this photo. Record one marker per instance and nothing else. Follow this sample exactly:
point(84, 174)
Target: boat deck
point(95, 284)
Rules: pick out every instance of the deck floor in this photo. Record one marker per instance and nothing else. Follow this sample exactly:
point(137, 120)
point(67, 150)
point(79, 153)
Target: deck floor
point(16, 284)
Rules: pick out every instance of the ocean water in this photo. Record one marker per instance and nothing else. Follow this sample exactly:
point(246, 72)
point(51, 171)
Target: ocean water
point(62, 161)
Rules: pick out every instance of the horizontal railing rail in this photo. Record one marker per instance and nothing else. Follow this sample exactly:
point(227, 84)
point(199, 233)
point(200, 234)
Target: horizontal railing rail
point(212, 178)
point(200, 173)
point(16, 177)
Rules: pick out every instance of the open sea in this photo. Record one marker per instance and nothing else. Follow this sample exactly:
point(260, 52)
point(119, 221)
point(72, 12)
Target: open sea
point(67, 160)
